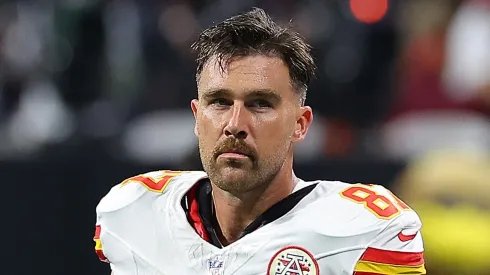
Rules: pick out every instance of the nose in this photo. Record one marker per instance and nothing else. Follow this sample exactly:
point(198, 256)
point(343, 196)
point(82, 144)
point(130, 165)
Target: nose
point(237, 124)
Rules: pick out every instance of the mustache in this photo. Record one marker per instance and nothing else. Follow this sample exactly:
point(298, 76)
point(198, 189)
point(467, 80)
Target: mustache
point(234, 145)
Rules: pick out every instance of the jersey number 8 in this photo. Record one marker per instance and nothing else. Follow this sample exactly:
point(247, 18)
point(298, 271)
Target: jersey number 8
point(384, 207)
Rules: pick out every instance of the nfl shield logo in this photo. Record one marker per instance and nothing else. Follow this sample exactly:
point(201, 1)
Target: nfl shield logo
point(216, 266)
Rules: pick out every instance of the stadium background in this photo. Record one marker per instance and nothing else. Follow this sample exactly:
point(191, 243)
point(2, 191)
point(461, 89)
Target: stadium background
point(92, 92)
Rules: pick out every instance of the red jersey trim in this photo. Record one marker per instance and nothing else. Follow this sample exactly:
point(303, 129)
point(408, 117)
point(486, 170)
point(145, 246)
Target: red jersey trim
point(393, 257)
point(193, 216)
point(98, 245)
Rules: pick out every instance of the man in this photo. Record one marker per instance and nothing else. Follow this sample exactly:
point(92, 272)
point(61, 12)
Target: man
point(248, 213)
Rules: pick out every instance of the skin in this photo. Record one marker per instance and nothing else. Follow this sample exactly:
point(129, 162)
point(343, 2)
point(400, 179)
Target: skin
point(248, 120)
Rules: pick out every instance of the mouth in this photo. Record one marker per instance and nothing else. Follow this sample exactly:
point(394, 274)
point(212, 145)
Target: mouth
point(233, 155)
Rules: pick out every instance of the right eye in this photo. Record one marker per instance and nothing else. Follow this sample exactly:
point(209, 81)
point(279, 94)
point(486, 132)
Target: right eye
point(220, 102)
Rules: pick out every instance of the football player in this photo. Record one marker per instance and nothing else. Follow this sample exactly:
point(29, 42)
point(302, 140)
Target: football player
point(248, 213)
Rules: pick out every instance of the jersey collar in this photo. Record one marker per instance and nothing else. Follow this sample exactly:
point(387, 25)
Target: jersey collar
point(199, 207)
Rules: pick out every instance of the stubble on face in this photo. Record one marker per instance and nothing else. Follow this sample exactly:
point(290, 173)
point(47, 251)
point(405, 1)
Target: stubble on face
point(268, 144)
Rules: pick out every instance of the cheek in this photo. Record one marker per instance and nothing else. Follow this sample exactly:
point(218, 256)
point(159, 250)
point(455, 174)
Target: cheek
point(208, 129)
point(276, 130)
point(210, 121)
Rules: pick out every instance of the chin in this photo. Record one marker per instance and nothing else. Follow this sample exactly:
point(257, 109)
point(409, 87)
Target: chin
point(231, 173)
point(232, 179)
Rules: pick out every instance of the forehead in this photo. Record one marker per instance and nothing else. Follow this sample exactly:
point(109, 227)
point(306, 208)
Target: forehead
point(247, 73)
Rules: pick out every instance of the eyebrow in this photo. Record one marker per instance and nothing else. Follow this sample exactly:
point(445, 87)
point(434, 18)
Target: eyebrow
point(262, 93)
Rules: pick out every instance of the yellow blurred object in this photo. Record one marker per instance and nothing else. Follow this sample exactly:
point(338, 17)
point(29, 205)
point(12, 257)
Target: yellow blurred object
point(450, 190)
point(463, 176)
point(458, 238)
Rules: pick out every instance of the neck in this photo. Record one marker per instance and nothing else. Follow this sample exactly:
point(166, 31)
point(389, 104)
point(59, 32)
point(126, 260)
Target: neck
point(234, 213)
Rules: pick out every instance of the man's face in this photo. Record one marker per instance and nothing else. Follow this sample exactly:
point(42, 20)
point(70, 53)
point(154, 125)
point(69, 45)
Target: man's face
point(247, 119)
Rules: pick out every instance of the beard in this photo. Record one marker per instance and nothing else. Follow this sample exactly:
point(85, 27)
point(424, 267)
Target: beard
point(240, 176)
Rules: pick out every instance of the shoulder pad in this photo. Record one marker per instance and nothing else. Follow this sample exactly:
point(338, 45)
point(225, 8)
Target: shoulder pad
point(376, 199)
point(131, 189)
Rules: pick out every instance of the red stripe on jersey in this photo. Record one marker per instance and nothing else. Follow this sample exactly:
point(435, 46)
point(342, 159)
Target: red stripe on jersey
point(98, 245)
point(97, 232)
point(393, 257)
point(101, 256)
point(193, 215)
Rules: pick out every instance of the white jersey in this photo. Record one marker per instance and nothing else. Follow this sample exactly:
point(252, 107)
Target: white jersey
point(337, 228)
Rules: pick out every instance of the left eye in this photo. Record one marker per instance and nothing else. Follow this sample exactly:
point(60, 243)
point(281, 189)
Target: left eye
point(260, 104)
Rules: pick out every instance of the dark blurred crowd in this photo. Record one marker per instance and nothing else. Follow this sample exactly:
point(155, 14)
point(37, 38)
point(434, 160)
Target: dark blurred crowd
point(120, 71)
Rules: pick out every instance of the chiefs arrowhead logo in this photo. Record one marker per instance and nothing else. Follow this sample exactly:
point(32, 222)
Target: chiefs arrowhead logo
point(293, 260)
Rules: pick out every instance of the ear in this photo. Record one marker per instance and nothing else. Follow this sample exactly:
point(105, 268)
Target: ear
point(303, 122)
point(195, 109)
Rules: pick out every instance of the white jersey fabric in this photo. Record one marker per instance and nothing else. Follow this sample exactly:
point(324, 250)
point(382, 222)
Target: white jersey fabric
point(337, 228)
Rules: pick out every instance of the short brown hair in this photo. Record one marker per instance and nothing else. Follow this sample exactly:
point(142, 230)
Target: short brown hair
point(254, 32)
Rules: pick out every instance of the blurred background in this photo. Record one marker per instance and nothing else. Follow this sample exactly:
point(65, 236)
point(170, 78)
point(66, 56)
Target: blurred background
point(92, 92)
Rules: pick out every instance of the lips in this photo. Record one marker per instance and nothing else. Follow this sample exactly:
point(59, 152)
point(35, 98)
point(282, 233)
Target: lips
point(234, 155)
point(233, 152)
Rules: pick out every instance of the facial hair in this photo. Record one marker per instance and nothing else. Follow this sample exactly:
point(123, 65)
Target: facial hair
point(237, 177)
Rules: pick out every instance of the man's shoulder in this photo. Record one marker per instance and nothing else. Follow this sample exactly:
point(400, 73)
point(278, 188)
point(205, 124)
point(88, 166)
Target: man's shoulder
point(148, 185)
point(367, 206)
